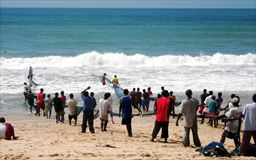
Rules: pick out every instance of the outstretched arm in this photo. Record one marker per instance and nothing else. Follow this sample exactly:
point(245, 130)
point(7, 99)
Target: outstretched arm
point(87, 88)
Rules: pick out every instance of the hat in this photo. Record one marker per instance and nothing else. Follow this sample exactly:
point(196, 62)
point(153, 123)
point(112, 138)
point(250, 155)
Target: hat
point(234, 100)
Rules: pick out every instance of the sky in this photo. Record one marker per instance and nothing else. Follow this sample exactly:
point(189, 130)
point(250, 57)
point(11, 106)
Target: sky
point(131, 3)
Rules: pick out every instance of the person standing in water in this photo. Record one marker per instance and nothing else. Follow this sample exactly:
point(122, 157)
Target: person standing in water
point(115, 81)
point(26, 90)
point(31, 100)
point(103, 79)
point(30, 73)
point(30, 77)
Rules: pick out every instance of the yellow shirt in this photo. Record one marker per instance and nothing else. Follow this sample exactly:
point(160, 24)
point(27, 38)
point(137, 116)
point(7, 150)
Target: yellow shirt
point(115, 81)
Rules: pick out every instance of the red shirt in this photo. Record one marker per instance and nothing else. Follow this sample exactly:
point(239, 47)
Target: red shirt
point(63, 99)
point(103, 80)
point(133, 95)
point(150, 93)
point(162, 109)
point(40, 98)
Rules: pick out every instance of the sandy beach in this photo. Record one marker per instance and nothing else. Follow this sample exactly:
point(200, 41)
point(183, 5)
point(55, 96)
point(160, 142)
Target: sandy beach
point(43, 139)
point(69, 45)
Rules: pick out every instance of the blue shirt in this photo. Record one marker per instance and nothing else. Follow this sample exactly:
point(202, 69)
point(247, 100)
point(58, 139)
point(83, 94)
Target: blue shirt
point(212, 106)
point(126, 106)
point(88, 103)
point(94, 102)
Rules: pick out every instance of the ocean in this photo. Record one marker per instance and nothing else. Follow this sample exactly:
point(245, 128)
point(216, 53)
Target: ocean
point(70, 49)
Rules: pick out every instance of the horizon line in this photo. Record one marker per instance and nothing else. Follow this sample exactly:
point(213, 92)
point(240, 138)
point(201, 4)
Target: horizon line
point(118, 8)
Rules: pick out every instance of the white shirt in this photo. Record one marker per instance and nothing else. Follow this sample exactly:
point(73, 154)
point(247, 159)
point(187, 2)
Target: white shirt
point(232, 126)
point(249, 113)
point(105, 107)
point(207, 100)
point(2, 130)
point(72, 107)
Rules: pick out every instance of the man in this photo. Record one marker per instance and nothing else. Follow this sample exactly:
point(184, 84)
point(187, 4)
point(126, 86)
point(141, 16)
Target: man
point(208, 99)
point(93, 99)
point(88, 109)
point(58, 107)
point(138, 95)
point(30, 77)
point(26, 90)
point(72, 109)
point(31, 100)
point(162, 89)
point(115, 81)
point(188, 109)
point(126, 109)
point(202, 105)
point(203, 96)
point(172, 99)
point(162, 116)
point(150, 92)
point(64, 105)
point(249, 113)
point(230, 105)
point(232, 128)
point(103, 79)
point(134, 100)
point(63, 98)
point(219, 100)
point(30, 73)
point(145, 101)
point(206, 102)
point(40, 101)
point(105, 108)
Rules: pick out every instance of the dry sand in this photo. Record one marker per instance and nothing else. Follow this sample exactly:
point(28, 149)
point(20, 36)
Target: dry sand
point(43, 139)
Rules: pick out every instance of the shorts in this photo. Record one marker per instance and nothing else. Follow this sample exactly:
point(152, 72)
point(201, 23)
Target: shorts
point(201, 108)
point(126, 121)
point(213, 114)
point(72, 116)
point(229, 134)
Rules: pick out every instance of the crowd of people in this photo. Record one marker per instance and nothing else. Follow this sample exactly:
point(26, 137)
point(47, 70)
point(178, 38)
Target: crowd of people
point(210, 108)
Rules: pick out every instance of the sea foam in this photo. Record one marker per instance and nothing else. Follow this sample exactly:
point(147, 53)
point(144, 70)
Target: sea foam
point(223, 72)
point(120, 59)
